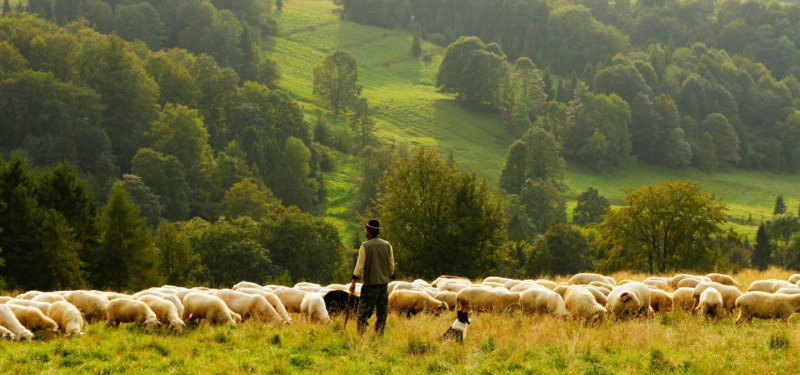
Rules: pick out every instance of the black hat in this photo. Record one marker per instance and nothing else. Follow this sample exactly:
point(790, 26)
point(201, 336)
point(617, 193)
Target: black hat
point(373, 224)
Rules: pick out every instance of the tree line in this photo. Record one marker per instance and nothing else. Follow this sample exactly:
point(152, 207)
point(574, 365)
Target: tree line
point(713, 92)
point(55, 235)
point(186, 126)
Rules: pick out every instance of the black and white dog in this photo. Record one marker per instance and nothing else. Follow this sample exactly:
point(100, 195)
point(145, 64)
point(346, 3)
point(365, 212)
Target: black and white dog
point(458, 330)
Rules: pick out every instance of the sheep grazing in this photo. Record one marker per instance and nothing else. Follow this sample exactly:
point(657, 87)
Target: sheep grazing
point(338, 301)
point(33, 319)
point(768, 286)
point(246, 284)
point(273, 300)
point(788, 291)
point(486, 300)
point(495, 280)
point(600, 284)
point(248, 305)
point(6, 334)
point(766, 306)
point(412, 302)
point(10, 322)
point(631, 299)
point(729, 294)
point(581, 304)
point(68, 318)
point(125, 310)
point(42, 306)
point(660, 300)
point(92, 306)
point(449, 298)
point(454, 287)
point(542, 301)
point(29, 294)
point(448, 278)
point(682, 299)
point(313, 307)
point(658, 284)
point(170, 296)
point(586, 278)
point(689, 283)
point(291, 298)
point(561, 290)
point(599, 296)
point(723, 279)
point(48, 297)
point(4, 299)
point(710, 305)
point(165, 311)
point(546, 283)
point(794, 278)
point(198, 306)
point(674, 280)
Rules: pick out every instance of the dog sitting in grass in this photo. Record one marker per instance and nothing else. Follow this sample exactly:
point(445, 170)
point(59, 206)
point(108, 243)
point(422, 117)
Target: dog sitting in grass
point(458, 330)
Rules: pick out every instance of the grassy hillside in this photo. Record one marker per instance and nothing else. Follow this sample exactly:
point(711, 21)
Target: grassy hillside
point(509, 343)
point(407, 109)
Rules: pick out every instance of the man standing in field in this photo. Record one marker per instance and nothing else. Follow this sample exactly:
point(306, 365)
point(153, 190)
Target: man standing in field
point(375, 267)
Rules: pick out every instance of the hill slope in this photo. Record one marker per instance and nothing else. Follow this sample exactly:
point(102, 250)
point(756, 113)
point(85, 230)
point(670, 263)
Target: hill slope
point(407, 109)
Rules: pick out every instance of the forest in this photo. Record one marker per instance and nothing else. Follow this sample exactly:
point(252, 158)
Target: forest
point(149, 142)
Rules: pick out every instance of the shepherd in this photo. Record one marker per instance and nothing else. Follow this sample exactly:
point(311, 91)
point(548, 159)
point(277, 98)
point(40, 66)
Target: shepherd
point(375, 267)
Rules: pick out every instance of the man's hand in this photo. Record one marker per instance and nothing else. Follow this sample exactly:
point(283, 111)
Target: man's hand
point(353, 287)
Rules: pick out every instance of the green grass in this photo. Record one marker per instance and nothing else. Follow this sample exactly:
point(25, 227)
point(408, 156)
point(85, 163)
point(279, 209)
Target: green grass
point(408, 109)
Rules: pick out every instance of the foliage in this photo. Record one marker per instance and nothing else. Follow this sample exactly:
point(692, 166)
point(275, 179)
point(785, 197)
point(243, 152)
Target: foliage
point(780, 207)
point(535, 156)
point(590, 208)
point(336, 80)
point(472, 71)
point(178, 262)
point(433, 211)
point(762, 253)
point(248, 198)
point(128, 257)
point(664, 227)
point(141, 195)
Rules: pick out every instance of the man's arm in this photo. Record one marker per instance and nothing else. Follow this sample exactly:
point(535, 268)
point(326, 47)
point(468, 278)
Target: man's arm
point(391, 262)
point(359, 270)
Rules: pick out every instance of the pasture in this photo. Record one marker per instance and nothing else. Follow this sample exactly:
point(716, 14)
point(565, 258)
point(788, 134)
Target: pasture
point(674, 342)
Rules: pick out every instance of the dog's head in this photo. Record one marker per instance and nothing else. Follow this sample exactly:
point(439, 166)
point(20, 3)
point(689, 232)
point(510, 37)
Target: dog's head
point(463, 317)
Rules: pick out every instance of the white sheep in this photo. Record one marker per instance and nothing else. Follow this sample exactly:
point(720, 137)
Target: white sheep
point(631, 299)
point(766, 306)
point(165, 311)
point(273, 300)
point(43, 306)
point(126, 310)
point(660, 300)
point(689, 282)
point(682, 299)
point(495, 280)
point(68, 318)
point(6, 334)
point(788, 291)
point(412, 302)
point(29, 294)
point(33, 319)
point(586, 278)
point(92, 306)
point(542, 301)
point(581, 304)
point(768, 286)
point(4, 299)
point(11, 323)
point(729, 293)
point(447, 297)
point(48, 297)
point(794, 278)
point(313, 307)
point(291, 298)
point(249, 305)
point(246, 284)
point(710, 304)
point(198, 306)
point(723, 279)
point(549, 284)
point(486, 300)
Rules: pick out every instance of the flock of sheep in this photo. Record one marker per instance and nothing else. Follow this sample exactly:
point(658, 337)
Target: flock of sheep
point(587, 297)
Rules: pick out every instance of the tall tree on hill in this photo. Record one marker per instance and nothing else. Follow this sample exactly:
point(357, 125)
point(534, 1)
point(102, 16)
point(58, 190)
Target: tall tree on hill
point(6, 7)
point(362, 123)
point(591, 207)
point(473, 71)
point(664, 227)
point(129, 257)
point(433, 211)
point(780, 206)
point(762, 253)
point(336, 80)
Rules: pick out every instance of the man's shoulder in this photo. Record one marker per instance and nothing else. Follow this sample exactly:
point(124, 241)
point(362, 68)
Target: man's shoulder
point(376, 241)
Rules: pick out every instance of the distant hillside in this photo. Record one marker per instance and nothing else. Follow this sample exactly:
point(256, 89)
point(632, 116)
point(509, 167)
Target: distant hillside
point(408, 109)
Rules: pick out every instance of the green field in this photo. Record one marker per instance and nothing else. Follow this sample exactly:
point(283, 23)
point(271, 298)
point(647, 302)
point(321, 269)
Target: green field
point(408, 109)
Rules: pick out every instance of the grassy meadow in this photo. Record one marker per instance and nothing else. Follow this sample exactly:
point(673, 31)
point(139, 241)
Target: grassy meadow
point(408, 110)
point(507, 343)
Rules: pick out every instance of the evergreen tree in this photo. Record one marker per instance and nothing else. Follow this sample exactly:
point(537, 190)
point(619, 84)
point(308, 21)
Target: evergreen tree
point(362, 123)
point(762, 253)
point(780, 206)
point(591, 207)
point(416, 47)
point(129, 258)
point(6, 7)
